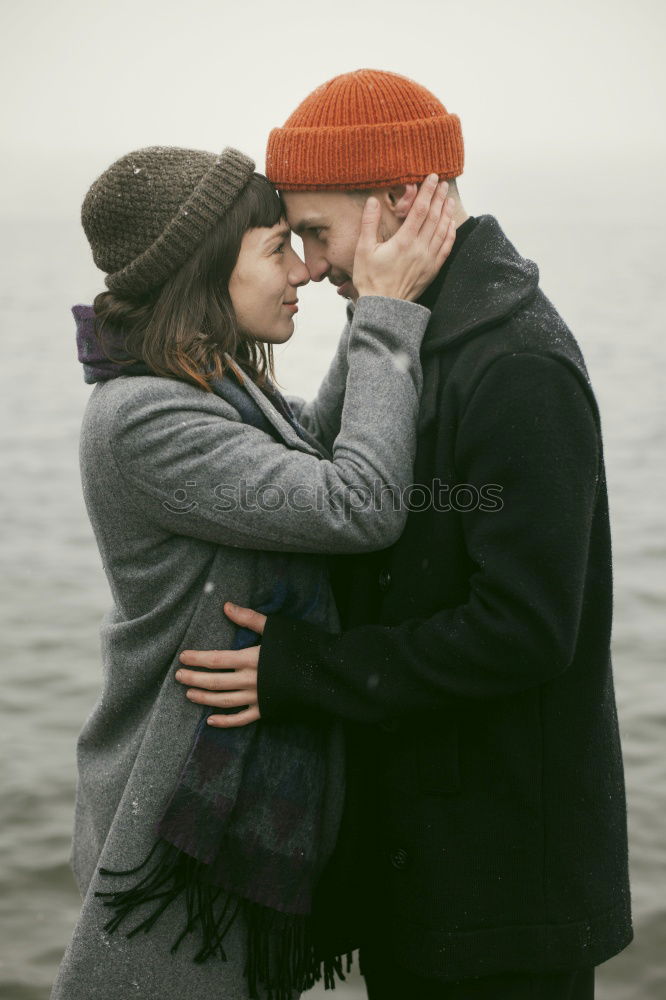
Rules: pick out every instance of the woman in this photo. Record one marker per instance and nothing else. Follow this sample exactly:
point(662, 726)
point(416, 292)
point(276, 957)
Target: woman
point(197, 849)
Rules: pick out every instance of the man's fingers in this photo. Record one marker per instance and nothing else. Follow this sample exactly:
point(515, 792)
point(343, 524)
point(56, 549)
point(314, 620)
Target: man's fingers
point(220, 659)
point(227, 699)
point(251, 714)
point(246, 617)
point(211, 659)
point(231, 681)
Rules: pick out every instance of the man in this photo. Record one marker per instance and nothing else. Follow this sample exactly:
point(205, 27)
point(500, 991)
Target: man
point(484, 849)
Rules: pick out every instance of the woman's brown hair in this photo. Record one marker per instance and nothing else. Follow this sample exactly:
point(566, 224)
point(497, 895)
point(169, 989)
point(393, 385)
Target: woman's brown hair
point(182, 329)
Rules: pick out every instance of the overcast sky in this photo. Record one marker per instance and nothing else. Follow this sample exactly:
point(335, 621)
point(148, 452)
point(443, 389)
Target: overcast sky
point(575, 86)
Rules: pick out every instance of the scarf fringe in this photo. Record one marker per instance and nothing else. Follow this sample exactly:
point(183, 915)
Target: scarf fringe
point(281, 955)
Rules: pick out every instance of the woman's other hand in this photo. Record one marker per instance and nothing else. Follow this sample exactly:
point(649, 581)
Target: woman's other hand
point(404, 266)
point(237, 686)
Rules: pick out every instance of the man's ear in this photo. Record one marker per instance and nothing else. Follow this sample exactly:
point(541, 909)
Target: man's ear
point(399, 199)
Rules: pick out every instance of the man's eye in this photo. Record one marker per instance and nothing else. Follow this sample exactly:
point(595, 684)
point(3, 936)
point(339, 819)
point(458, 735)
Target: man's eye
point(279, 248)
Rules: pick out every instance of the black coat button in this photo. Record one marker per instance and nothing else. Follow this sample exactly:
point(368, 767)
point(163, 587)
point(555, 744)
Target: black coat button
point(384, 579)
point(399, 858)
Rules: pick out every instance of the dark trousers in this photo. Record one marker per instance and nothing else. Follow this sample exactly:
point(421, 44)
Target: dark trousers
point(384, 980)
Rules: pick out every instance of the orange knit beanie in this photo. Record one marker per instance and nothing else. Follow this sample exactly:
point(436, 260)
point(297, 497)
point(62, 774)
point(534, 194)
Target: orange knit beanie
point(365, 129)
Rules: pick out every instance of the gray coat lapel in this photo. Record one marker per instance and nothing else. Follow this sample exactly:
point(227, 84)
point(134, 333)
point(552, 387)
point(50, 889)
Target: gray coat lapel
point(310, 446)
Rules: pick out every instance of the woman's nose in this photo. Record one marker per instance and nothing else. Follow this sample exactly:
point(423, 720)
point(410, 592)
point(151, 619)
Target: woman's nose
point(298, 272)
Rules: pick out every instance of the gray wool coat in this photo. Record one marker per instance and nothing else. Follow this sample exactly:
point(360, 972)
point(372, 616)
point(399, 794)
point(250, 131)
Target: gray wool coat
point(160, 463)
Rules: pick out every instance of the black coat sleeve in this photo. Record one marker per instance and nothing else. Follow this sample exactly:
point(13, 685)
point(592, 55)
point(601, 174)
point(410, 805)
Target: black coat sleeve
point(529, 427)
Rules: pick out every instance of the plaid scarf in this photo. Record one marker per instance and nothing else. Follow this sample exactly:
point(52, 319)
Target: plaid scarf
point(242, 830)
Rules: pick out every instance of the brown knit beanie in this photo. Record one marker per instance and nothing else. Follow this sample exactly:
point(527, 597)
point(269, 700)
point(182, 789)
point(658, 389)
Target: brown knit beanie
point(149, 211)
point(365, 129)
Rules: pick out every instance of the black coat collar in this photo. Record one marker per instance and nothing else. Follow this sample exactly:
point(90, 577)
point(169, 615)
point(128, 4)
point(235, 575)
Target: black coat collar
point(486, 282)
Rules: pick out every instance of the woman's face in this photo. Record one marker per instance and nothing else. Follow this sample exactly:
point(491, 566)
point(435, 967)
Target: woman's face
point(263, 285)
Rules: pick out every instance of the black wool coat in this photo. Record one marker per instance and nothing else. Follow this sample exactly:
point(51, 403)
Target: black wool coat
point(485, 828)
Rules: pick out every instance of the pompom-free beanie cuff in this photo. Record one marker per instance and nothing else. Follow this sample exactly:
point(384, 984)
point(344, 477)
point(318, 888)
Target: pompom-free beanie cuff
point(348, 157)
point(210, 200)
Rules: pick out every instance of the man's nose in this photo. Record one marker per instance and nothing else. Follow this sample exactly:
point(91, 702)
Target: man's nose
point(317, 265)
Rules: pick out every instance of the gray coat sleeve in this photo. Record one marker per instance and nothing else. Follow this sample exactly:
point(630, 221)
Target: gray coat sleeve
point(322, 415)
point(195, 469)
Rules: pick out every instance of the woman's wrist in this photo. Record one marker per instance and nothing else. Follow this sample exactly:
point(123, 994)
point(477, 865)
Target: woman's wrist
point(383, 293)
point(395, 322)
point(394, 299)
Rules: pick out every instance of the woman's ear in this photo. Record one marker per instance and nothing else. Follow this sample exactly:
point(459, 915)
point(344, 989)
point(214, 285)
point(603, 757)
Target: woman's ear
point(400, 199)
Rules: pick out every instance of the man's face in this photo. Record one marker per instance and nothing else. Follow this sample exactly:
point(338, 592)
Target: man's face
point(329, 223)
